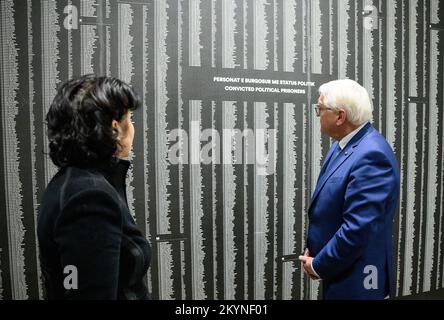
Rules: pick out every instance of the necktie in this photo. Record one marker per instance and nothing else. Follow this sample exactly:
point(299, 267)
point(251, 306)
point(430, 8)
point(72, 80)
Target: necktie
point(333, 157)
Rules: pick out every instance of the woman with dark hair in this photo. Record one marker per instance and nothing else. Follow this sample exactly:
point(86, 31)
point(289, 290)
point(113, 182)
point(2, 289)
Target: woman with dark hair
point(90, 246)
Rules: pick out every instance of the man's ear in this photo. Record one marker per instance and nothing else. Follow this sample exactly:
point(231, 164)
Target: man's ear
point(342, 116)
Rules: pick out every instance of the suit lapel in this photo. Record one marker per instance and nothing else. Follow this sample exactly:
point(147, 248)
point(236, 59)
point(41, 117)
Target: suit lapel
point(343, 155)
point(327, 159)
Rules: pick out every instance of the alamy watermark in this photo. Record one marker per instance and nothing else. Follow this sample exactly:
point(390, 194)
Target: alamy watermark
point(71, 20)
point(71, 280)
point(248, 146)
point(371, 280)
point(370, 20)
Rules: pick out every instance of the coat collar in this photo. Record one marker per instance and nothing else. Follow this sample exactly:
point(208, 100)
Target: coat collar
point(116, 171)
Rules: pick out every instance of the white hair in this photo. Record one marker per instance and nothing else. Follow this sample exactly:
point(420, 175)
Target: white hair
point(350, 96)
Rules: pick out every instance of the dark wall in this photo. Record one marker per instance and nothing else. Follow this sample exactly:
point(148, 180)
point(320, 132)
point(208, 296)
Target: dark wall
point(222, 229)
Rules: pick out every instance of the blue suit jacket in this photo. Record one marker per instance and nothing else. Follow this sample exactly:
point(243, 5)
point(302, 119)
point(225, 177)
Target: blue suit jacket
point(351, 218)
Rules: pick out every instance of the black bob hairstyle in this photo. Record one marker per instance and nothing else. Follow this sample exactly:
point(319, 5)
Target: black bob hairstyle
point(79, 120)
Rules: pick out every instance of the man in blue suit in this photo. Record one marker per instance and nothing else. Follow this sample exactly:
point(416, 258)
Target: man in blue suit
point(351, 213)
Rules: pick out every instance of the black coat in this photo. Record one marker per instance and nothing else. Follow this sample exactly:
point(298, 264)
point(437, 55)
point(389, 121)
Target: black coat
point(84, 221)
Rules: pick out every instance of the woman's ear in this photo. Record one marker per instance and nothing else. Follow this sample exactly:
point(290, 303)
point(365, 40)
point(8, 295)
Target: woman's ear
point(116, 127)
point(114, 124)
